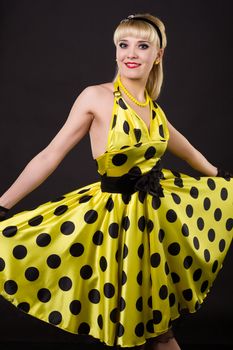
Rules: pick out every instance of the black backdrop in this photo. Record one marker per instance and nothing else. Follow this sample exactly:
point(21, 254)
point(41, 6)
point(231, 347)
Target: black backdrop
point(51, 50)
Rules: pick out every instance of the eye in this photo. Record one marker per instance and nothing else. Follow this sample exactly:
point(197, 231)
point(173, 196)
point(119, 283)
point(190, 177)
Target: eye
point(121, 44)
point(145, 46)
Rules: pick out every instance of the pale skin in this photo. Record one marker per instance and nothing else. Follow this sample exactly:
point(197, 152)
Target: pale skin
point(91, 112)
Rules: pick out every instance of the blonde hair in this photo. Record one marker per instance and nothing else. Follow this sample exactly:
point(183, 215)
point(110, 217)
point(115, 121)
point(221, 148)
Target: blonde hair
point(145, 31)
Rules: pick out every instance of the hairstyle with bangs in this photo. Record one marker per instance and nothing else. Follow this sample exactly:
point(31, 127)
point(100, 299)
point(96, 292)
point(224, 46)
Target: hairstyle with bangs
point(147, 32)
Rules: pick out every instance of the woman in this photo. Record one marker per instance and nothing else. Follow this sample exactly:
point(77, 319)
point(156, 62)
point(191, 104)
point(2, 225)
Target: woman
point(119, 259)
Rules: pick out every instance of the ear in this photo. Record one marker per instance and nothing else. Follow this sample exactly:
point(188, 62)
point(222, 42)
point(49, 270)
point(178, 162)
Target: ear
point(160, 53)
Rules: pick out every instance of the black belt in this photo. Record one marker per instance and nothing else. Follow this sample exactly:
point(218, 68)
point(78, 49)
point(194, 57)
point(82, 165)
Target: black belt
point(132, 182)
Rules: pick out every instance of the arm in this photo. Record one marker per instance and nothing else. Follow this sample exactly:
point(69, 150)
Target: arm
point(46, 161)
point(181, 147)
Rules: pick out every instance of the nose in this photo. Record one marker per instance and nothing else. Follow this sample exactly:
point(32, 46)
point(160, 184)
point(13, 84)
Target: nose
point(131, 52)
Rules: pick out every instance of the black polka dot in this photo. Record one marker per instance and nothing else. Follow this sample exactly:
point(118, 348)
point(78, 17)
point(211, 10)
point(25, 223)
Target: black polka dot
point(175, 277)
point(197, 275)
point(149, 302)
point(138, 144)
point(139, 329)
point(178, 182)
point(100, 321)
point(215, 266)
point(224, 193)
point(76, 249)
point(204, 286)
point(109, 290)
point(60, 210)
point(172, 299)
point(185, 230)
point(161, 235)
point(150, 152)
point(176, 198)
point(85, 199)
point(43, 239)
point(54, 261)
point(150, 326)
point(75, 307)
point(24, 306)
point(10, 231)
point(149, 225)
point(155, 260)
point(65, 283)
point(222, 245)
point(174, 248)
point(200, 223)
point(142, 223)
point(86, 272)
point(44, 295)
point(157, 316)
point(20, 251)
point(36, 220)
point(138, 134)
point(113, 229)
point(126, 127)
point(113, 315)
point(206, 203)
point(119, 159)
point(211, 235)
point(125, 251)
point(10, 287)
point(123, 278)
point(171, 215)
point(229, 224)
point(163, 292)
point(84, 328)
point(194, 192)
point(188, 260)
point(67, 227)
point(110, 204)
point(120, 329)
point(161, 131)
point(122, 304)
point(139, 278)
point(156, 202)
point(103, 263)
point(139, 304)
point(114, 121)
point(189, 210)
point(135, 171)
point(217, 214)
point(55, 317)
point(153, 114)
point(31, 273)
point(141, 251)
point(98, 237)
point(84, 190)
point(196, 243)
point(94, 296)
point(125, 223)
point(122, 104)
point(90, 216)
point(207, 255)
point(166, 268)
point(211, 184)
point(2, 264)
point(187, 294)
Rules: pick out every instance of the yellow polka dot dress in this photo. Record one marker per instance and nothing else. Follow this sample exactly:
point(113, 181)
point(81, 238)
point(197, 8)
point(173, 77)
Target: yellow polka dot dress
point(115, 263)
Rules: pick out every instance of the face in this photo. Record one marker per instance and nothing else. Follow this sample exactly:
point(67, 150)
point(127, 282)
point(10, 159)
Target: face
point(140, 53)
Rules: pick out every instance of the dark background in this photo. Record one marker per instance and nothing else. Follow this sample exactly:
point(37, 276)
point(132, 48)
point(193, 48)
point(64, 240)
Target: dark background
point(50, 51)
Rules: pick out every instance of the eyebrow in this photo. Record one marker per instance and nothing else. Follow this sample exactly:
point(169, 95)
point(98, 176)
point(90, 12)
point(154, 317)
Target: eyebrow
point(140, 41)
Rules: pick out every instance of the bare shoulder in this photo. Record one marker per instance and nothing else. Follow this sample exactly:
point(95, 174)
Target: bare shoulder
point(97, 95)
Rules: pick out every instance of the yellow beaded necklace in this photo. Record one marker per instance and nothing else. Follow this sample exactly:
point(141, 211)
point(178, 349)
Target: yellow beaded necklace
point(141, 104)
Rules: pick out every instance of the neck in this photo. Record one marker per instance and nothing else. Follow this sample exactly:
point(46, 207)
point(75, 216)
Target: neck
point(135, 86)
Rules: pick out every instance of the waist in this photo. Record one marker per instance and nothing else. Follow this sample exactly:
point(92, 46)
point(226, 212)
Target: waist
point(132, 182)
